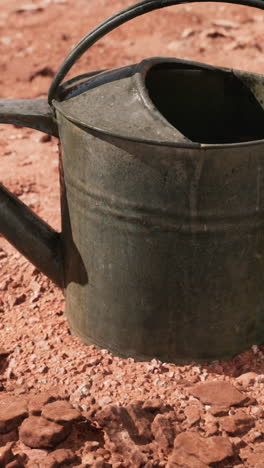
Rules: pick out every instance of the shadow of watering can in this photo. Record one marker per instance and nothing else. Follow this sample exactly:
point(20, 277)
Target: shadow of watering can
point(161, 252)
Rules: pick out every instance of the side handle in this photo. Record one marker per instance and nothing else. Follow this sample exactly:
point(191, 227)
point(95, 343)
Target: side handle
point(29, 234)
point(137, 9)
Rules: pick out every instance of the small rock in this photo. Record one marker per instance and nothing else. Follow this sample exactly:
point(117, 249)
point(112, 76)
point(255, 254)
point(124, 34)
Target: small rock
point(207, 450)
point(29, 7)
point(260, 378)
point(236, 423)
point(11, 436)
point(4, 352)
point(256, 458)
point(219, 410)
point(249, 378)
point(244, 452)
point(255, 349)
point(187, 32)
point(6, 454)
point(179, 459)
point(142, 420)
point(4, 285)
point(218, 393)
point(104, 401)
point(32, 456)
point(15, 464)
point(99, 464)
point(12, 413)
point(193, 414)
point(19, 299)
point(45, 138)
point(211, 428)
point(38, 432)
point(225, 24)
point(122, 433)
point(253, 436)
point(155, 405)
point(163, 432)
point(60, 411)
point(214, 33)
point(257, 412)
point(60, 457)
point(37, 402)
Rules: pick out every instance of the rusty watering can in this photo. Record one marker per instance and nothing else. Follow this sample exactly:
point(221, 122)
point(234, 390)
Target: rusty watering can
point(161, 252)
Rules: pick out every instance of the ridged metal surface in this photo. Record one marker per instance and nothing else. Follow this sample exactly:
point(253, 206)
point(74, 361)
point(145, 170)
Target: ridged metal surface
point(171, 244)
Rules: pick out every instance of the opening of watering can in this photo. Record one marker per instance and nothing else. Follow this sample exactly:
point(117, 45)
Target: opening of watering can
point(207, 105)
point(168, 100)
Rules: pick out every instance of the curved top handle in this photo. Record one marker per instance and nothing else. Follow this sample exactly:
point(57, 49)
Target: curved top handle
point(138, 9)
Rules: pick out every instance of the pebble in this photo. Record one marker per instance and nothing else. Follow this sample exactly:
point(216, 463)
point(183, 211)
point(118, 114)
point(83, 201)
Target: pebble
point(249, 378)
point(38, 432)
point(163, 431)
point(218, 394)
point(207, 450)
point(193, 414)
point(6, 454)
point(236, 423)
point(12, 413)
point(60, 411)
point(60, 457)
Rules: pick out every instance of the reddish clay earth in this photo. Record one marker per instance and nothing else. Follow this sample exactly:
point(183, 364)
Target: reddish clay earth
point(66, 404)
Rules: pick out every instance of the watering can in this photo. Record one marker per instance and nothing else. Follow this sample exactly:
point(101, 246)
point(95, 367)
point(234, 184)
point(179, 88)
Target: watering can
point(161, 253)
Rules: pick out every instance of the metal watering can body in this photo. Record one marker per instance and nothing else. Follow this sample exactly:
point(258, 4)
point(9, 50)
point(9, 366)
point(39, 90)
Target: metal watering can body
point(162, 198)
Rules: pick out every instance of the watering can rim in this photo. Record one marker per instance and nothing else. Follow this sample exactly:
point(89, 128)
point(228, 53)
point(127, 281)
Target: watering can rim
point(140, 71)
point(138, 9)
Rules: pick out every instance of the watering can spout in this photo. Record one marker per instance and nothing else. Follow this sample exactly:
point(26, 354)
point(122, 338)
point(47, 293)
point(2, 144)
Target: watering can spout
point(32, 113)
point(35, 239)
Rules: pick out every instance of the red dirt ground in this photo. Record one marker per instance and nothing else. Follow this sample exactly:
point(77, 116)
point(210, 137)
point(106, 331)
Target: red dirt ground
point(126, 413)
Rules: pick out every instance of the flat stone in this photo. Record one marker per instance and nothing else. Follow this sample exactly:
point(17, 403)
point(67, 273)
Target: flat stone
point(255, 460)
point(155, 405)
point(60, 457)
point(207, 450)
point(171, 464)
point(12, 413)
point(218, 410)
point(142, 419)
point(163, 432)
point(36, 402)
point(193, 414)
point(218, 393)
point(60, 411)
point(11, 436)
point(103, 464)
point(122, 433)
point(236, 423)
point(179, 459)
point(210, 428)
point(33, 456)
point(38, 432)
